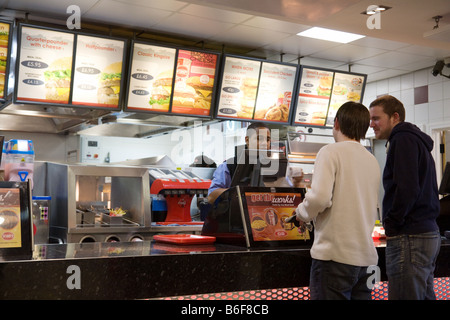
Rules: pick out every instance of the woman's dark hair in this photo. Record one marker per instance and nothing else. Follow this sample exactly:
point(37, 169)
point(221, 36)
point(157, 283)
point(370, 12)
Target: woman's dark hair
point(354, 120)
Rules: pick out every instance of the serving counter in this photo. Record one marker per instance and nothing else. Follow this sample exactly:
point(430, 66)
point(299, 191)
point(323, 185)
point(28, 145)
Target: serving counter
point(148, 269)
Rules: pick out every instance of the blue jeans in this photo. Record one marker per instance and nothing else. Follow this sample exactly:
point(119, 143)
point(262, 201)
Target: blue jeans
point(410, 264)
point(331, 280)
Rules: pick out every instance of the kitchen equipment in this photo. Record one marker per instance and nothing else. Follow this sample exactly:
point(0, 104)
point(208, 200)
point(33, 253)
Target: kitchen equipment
point(178, 188)
point(19, 161)
point(82, 196)
point(41, 214)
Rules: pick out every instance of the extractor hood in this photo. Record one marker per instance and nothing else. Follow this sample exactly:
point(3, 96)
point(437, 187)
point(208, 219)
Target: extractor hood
point(66, 120)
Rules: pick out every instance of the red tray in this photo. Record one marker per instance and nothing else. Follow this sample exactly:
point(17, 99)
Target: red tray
point(184, 238)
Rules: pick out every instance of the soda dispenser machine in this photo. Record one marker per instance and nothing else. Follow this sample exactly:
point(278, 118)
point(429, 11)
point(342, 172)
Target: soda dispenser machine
point(19, 160)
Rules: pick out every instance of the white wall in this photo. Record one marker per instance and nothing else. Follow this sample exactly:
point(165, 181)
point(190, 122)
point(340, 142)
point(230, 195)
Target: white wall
point(436, 110)
point(432, 116)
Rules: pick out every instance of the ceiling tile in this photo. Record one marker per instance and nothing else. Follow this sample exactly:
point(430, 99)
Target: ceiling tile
point(215, 14)
point(49, 6)
point(137, 16)
point(300, 45)
point(198, 27)
point(276, 25)
point(379, 43)
point(157, 4)
point(385, 74)
point(391, 59)
point(315, 62)
point(348, 53)
point(425, 51)
point(250, 36)
point(359, 68)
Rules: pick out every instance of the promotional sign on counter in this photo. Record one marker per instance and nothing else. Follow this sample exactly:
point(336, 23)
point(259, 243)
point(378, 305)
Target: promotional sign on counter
point(98, 72)
point(256, 90)
point(10, 224)
point(15, 219)
point(4, 42)
point(194, 82)
point(267, 212)
point(151, 77)
point(322, 92)
point(45, 65)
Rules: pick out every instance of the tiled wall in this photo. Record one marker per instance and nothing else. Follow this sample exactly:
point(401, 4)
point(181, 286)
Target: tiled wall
point(426, 98)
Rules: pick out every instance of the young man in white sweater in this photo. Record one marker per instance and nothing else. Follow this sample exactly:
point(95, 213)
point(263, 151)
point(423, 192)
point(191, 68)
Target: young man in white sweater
point(342, 202)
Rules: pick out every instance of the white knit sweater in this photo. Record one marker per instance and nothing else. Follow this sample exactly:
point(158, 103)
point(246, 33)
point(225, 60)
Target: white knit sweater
point(343, 201)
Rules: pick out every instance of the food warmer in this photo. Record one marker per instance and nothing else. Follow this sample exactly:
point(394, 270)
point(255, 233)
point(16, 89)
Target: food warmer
point(81, 196)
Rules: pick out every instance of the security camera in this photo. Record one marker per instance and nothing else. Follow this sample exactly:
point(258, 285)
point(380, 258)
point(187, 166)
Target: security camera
point(437, 69)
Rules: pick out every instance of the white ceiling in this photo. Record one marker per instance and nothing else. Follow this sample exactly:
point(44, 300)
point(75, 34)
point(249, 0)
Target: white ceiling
point(268, 28)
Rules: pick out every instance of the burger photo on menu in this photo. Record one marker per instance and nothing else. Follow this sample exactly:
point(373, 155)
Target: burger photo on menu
point(324, 88)
point(57, 80)
point(162, 88)
point(318, 118)
point(203, 86)
point(4, 35)
point(109, 84)
point(183, 96)
point(2, 75)
point(249, 89)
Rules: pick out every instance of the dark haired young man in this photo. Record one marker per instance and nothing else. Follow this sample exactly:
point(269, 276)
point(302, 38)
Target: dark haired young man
point(410, 203)
point(342, 202)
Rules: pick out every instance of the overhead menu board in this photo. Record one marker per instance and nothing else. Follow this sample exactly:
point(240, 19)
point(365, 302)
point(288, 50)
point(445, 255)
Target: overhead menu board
point(194, 82)
point(275, 92)
point(69, 69)
point(322, 92)
point(168, 80)
point(255, 90)
point(151, 78)
point(4, 49)
point(45, 65)
point(98, 71)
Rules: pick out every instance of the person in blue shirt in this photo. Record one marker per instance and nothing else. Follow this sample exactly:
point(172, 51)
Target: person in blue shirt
point(257, 137)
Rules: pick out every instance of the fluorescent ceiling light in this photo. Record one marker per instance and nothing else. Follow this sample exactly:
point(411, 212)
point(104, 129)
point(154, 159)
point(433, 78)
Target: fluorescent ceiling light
point(373, 9)
point(330, 35)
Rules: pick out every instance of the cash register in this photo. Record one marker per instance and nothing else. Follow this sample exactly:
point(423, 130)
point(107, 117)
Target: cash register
point(253, 210)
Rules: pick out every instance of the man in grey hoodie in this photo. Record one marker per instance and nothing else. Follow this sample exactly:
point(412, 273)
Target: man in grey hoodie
point(410, 203)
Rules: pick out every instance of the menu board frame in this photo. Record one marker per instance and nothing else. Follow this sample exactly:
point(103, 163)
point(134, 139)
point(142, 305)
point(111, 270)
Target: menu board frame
point(170, 108)
point(253, 237)
point(69, 103)
point(6, 95)
point(123, 72)
point(26, 226)
point(327, 113)
point(291, 99)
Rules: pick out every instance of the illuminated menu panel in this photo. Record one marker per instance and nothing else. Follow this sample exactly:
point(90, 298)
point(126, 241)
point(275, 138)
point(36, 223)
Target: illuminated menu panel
point(4, 43)
point(98, 72)
point(151, 78)
point(322, 92)
point(194, 83)
point(275, 92)
point(45, 65)
point(256, 90)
